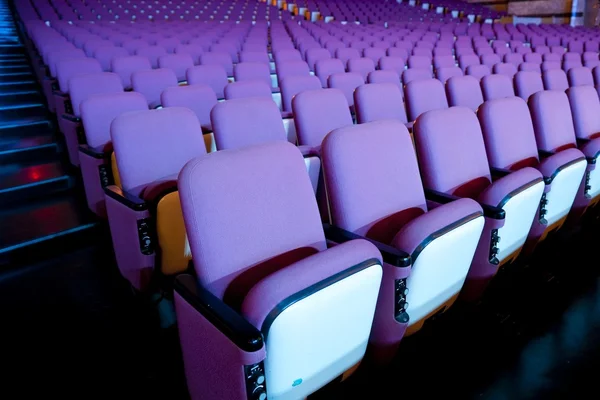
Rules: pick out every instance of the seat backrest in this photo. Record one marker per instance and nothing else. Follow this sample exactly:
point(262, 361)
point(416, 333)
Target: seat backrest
point(508, 132)
point(580, 76)
point(152, 83)
point(244, 89)
point(105, 55)
point(361, 66)
point(478, 71)
point(99, 111)
point(83, 86)
point(345, 54)
point(392, 63)
point(443, 74)
point(326, 67)
point(125, 66)
point(218, 58)
point(424, 95)
point(416, 74)
point(69, 67)
point(419, 62)
point(316, 54)
point(252, 71)
point(555, 79)
point(374, 54)
point(153, 144)
point(384, 77)
point(246, 122)
point(279, 214)
point(552, 57)
point(533, 58)
point(468, 60)
point(451, 152)
point(347, 82)
point(198, 98)
point(497, 87)
point(213, 75)
point(55, 56)
point(152, 53)
point(393, 173)
point(464, 91)
point(287, 55)
point(178, 63)
point(254, 56)
point(292, 68)
point(570, 56)
point(193, 50)
point(379, 101)
point(527, 66)
point(507, 69)
point(585, 106)
point(527, 83)
point(552, 120)
point(443, 62)
point(292, 85)
point(318, 112)
point(513, 58)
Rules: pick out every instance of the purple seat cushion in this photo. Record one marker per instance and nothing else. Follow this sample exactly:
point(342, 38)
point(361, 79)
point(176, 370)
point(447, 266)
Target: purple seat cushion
point(550, 165)
point(495, 193)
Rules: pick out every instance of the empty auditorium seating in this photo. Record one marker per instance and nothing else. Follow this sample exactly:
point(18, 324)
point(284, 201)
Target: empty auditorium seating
point(527, 83)
point(497, 87)
point(424, 95)
point(379, 101)
point(464, 91)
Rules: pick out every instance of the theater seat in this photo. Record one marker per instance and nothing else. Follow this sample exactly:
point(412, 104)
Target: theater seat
point(268, 316)
point(290, 87)
point(497, 87)
point(377, 101)
point(511, 146)
point(96, 155)
point(464, 91)
point(399, 217)
point(152, 83)
point(453, 163)
point(528, 83)
point(144, 215)
point(214, 76)
point(424, 95)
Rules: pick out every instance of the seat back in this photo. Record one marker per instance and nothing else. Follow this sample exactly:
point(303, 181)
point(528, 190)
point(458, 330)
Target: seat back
point(193, 50)
point(443, 74)
point(361, 66)
point(316, 54)
point(552, 120)
point(393, 169)
point(252, 71)
point(178, 63)
point(507, 69)
point(526, 66)
point(528, 83)
point(379, 101)
point(292, 85)
point(415, 74)
point(70, 67)
point(497, 87)
point(318, 112)
point(468, 60)
point(292, 68)
point(478, 71)
point(244, 89)
point(443, 62)
point(490, 60)
point(324, 68)
point(218, 58)
point(451, 152)
point(585, 106)
point(555, 79)
point(424, 95)
point(272, 180)
point(152, 53)
point(419, 62)
point(246, 122)
point(464, 91)
point(152, 83)
point(170, 137)
point(81, 87)
point(508, 132)
point(580, 76)
point(99, 111)
point(106, 54)
point(198, 98)
point(384, 77)
point(346, 82)
point(125, 66)
point(212, 75)
point(55, 56)
point(394, 63)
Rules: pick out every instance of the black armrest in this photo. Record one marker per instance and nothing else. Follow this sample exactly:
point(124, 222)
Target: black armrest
point(545, 153)
point(128, 200)
point(97, 153)
point(219, 314)
point(71, 118)
point(500, 172)
point(443, 198)
point(391, 255)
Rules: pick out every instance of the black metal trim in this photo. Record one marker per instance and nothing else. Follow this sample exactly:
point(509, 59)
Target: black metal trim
point(548, 179)
point(489, 211)
point(442, 232)
point(304, 293)
point(390, 255)
point(518, 190)
point(127, 199)
point(94, 152)
point(235, 327)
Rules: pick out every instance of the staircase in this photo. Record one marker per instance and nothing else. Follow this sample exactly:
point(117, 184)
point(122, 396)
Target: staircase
point(42, 209)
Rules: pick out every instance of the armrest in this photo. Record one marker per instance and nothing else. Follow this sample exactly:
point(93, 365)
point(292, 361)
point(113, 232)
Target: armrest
point(489, 211)
point(71, 118)
point(545, 153)
point(219, 314)
point(391, 255)
point(499, 172)
point(590, 148)
point(95, 152)
point(127, 199)
point(551, 166)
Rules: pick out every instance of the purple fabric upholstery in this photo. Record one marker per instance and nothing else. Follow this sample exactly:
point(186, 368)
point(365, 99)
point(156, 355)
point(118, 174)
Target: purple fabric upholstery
point(424, 95)
point(495, 193)
point(198, 98)
point(318, 112)
point(193, 50)
point(497, 87)
point(324, 68)
point(106, 54)
point(585, 106)
point(171, 137)
point(464, 91)
point(68, 68)
point(555, 79)
point(152, 53)
point(443, 62)
point(272, 180)
point(314, 55)
point(384, 77)
point(478, 71)
point(379, 101)
point(443, 74)
point(252, 72)
point(535, 58)
point(527, 66)
point(550, 65)
point(591, 149)
point(507, 69)
point(292, 68)
point(580, 76)
point(414, 74)
point(238, 90)
point(416, 62)
point(552, 120)
point(212, 75)
point(178, 63)
point(218, 58)
point(246, 122)
point(152, 83)
point(346, 82)
point(528, 83)
point(82, 87)
point(361, 66)
point(125, 66)
point(56, 56)
point(467, 60)
point(392, 63)
point(292, 85)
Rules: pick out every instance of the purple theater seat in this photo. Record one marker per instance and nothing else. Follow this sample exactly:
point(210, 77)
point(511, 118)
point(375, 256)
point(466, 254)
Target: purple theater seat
point(244, 89)
point(374, 53)
point(464, 91)
point(291, 68)
point(401, 219)
point(221, 59)
point(198, 98)
point(347, 82)
point(178, 63)
point(281, 251)
point(513, 58)
point(292, 85)
point(549, 65)
point(106, 54)
point(97, 113)
point(245, 71)
point(424, 95)
point(169, 44)
point(345, 54)
point(596, 75)
point(443, 74)
point(497, 87)
point(507, 69)
point(420, 62)
point(213, 75)
point(152, 83)
point(392, 63)
point(552, 57)
point(453, 163)
point(467, 60)
point(324, 68)
point(535, 58)
point(194, 51)
point(527, 66)
point(527, 83)
point(361, 66)
point(478, 71)
point(443, 62)
point(379, 101)
point(126, 66)
point(415, 74)
point(151, 147)
point(397, 52)
point(555, 79)
point(286, 55)
point(580, 76)
point(384, 77)
point(316, 54)
point(152, 53)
